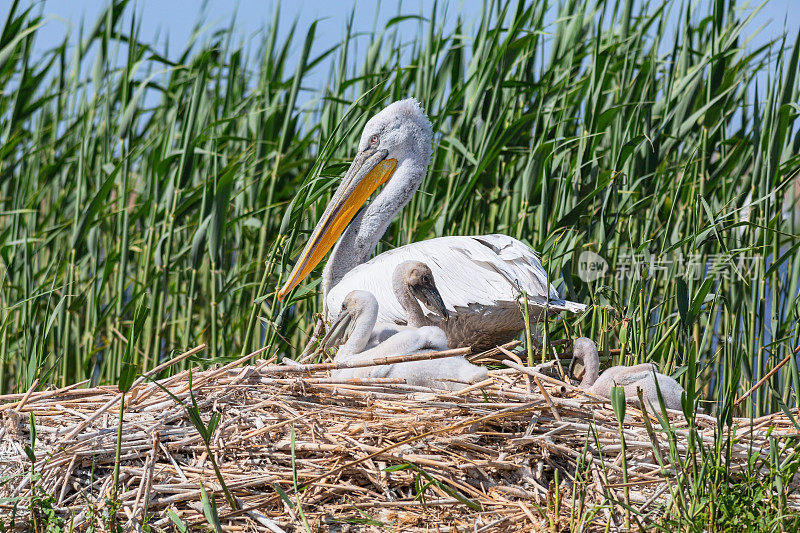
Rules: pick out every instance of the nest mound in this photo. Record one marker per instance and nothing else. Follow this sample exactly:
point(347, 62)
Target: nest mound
point(294, 446)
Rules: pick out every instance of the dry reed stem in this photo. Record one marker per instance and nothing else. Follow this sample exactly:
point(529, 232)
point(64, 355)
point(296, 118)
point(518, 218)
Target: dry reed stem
point(766, 377)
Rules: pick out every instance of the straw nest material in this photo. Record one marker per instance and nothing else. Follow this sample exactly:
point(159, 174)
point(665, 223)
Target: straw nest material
point(294, 446)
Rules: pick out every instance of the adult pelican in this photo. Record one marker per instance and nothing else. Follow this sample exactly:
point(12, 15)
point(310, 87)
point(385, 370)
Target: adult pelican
point(481, 276)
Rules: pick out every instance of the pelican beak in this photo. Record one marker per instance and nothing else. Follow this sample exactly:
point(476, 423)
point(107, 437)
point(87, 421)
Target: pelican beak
point(340, 330)
point(430, 297)
point(369, 170)
point(576, 368)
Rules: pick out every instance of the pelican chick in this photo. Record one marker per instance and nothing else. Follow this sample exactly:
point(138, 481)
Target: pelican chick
point(630, 378)
point(354, 327)
point(412, 283)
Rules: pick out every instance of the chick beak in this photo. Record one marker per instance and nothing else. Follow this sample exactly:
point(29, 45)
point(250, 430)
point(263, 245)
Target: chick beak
point(430, 297)
point(340, 330)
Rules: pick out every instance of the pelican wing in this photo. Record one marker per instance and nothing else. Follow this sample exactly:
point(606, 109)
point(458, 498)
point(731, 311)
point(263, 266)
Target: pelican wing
point(622, 376)
point(469, 271)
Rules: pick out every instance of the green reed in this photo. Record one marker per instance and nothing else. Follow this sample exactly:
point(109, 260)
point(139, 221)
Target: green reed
point(192, 183)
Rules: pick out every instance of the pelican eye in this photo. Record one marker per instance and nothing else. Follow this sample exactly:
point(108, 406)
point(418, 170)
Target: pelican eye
point(374, 139)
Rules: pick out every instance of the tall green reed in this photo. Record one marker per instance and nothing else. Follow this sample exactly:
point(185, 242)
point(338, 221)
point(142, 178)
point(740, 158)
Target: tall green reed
point(190, 184)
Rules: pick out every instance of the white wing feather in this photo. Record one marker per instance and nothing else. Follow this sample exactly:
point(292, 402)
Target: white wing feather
point(487, 270)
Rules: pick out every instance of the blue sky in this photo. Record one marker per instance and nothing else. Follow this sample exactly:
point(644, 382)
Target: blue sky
point(174, 20)
point(177, 17)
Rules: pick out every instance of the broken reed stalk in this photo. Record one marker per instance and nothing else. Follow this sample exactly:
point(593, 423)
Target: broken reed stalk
point(310, 350)
point(378, 361)
point(766, 377)
point(543, 377)
point(166, 364)
point(27, 394)
point(547, 398)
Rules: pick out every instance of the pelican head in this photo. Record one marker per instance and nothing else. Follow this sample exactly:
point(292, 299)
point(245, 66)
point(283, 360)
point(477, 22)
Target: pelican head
point(416, 278)
point(585, 360)
point(356, 305)
point(395, 143)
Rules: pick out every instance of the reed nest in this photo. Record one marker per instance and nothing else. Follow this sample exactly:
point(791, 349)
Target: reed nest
point(293, 445)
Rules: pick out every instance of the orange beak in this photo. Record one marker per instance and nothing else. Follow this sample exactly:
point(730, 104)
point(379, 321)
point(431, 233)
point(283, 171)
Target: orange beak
point(366, 174)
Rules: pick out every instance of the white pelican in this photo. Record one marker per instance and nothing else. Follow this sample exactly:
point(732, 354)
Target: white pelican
point(355, 324)
point(481, 276)
point(630, 378)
